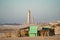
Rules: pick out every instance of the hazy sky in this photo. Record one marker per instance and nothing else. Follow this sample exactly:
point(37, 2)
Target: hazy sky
point(15, 11)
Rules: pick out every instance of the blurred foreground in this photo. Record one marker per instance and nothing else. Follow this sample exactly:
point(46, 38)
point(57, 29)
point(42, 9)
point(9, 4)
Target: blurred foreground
point(21, 32)
point(57, 37)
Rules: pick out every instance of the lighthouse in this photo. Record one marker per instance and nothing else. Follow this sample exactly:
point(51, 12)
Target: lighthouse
point(28, 19)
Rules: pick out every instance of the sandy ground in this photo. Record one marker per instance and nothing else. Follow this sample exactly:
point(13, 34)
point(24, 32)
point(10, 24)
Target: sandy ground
point(57, 37)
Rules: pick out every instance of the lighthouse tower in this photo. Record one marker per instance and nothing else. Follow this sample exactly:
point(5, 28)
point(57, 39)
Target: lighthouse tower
point(28, 19)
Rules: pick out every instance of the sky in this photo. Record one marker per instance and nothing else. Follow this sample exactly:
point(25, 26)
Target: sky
point(15, 11)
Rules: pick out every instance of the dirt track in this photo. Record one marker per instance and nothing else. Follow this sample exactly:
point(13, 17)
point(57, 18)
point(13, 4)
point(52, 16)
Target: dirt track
point(33, 38)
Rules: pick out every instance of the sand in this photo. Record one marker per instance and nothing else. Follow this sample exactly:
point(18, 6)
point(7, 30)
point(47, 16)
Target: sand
point(57, 37)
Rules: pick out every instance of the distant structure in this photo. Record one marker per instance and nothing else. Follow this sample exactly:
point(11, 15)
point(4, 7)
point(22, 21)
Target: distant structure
point(33, 21)
point(58, 21)
point(28, 20)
